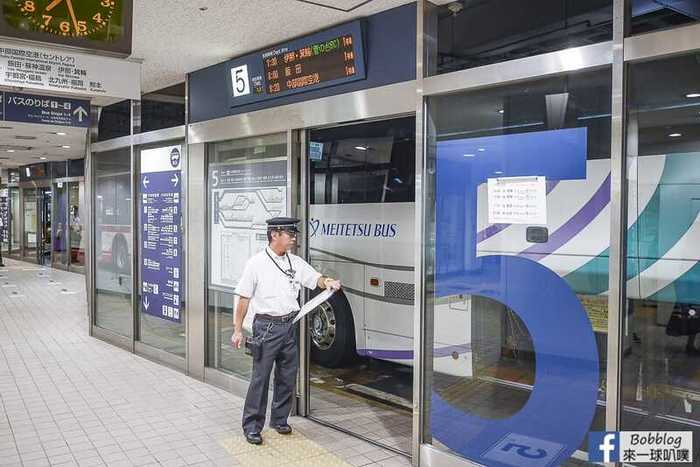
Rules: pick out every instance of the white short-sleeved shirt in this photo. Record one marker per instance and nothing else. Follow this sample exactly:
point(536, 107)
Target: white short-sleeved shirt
point(270, 290)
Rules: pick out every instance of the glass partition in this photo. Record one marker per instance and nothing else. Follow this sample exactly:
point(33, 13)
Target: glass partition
point(476, 33)
point(518, 230)
point(30, 223)
point(59, 229)
point(164, 108)
point(361, 217)
point(660, 378)
point(15, 222)
point(247, 184)
point(652, 15)
point(76, 231)
point(113, 244)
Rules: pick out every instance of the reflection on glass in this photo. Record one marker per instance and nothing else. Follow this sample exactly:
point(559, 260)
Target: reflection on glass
point(247, 184)
point(59, 227)
point(115, 121)
point(652, 15)
point(361, 218)
point(45, 223)
point(517, 268)
point(113, 247)
point(164, 108)
point(76, 209)
point(15, 224)
point(661, 386)
point(30, 222)
point(476, 33)
point(156, 328)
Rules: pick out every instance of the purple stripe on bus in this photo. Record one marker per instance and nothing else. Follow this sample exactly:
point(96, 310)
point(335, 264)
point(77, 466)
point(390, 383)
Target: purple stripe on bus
point(573, 226)
point(408, 354)
point(493, 229)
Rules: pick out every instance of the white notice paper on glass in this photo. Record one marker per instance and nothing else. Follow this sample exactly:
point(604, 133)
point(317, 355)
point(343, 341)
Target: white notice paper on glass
point(517, 200)
point(313, 303)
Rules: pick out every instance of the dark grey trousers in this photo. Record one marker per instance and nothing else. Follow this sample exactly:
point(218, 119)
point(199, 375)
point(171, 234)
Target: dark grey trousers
point(279, 348)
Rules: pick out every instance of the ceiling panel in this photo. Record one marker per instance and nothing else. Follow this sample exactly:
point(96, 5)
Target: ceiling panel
point(175, 37)
point(27, 143)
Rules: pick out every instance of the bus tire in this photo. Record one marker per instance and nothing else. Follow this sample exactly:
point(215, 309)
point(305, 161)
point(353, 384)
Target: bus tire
point(332, 332)
point(120, 254)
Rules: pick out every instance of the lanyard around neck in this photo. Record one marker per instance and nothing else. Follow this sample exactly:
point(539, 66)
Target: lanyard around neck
point(290, 272)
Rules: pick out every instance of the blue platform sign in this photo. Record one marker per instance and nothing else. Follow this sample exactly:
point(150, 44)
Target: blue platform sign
point(49, 110)
point(162, 278)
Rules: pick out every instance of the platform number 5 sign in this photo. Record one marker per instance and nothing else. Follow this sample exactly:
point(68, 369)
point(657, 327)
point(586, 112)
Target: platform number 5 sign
point(240, 81)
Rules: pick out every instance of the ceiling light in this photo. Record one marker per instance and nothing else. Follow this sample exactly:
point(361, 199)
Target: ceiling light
point(501, 111)
point(468, 155)
point(675, 135)
point(692, 95)
point(42, 158)
point(60, 133)
point(65, 146)
point(10, 150)
point(481, 149)
point(498, 172)
point(361, 148)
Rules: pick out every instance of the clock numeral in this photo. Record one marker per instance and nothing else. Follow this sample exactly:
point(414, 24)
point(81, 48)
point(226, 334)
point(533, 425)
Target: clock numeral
point(82, 26)
point(29, 6)
point(106, 3)
point(47, 19)
point(64, 26)
point(98, 18)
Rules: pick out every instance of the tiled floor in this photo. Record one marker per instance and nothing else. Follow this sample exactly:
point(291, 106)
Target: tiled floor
point(68, 399)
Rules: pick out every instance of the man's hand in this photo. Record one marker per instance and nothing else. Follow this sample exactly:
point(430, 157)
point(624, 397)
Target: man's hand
point(237, 339)
point(332, 284)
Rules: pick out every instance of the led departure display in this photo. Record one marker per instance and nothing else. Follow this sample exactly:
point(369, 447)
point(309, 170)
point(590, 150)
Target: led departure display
point(310, 65)
point(327, 58)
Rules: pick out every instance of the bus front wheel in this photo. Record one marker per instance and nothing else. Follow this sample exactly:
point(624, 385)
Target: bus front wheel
point(332, 332)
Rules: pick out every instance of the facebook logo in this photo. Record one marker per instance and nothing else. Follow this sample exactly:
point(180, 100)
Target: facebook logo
point(604, 446)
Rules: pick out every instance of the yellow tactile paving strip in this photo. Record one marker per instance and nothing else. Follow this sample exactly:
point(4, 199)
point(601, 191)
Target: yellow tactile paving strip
point(280, 450)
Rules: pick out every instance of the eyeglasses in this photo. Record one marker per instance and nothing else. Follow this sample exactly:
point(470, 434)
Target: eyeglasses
point(290, 233)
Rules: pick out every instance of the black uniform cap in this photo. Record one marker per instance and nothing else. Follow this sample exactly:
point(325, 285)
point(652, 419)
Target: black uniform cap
point(283, 223)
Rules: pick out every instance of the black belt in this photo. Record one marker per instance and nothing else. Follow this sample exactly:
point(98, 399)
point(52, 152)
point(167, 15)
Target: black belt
point(277, 319)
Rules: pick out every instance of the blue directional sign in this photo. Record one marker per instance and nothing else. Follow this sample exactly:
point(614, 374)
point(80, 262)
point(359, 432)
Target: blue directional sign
point(49, 110)
point(161, 235)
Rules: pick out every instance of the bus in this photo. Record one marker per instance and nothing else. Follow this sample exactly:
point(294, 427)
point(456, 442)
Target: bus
point(361, 229)
point(113, 221)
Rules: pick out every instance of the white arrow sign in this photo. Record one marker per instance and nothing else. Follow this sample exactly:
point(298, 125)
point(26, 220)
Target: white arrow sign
point(81, 113)
point(145, 302)
point(175, 179)
point(145, 182)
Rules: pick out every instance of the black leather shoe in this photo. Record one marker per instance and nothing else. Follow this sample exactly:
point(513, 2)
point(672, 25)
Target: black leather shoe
point(283, 429)
point(253, 438)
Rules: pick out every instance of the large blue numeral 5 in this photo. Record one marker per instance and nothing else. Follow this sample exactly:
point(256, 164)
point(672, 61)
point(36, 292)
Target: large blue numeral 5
point(562, 403)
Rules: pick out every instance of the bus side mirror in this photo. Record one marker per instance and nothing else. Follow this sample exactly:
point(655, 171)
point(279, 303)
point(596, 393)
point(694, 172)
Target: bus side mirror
point(537, 234)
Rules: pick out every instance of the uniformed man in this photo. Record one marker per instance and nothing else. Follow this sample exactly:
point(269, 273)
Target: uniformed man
point(270, 287)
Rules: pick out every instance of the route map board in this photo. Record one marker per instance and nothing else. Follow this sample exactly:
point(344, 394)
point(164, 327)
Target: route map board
point(243, 196)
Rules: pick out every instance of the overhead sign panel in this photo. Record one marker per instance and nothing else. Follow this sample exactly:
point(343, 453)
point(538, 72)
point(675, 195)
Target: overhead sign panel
point(327, 58)
point(50, 110)
point(59, 71)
